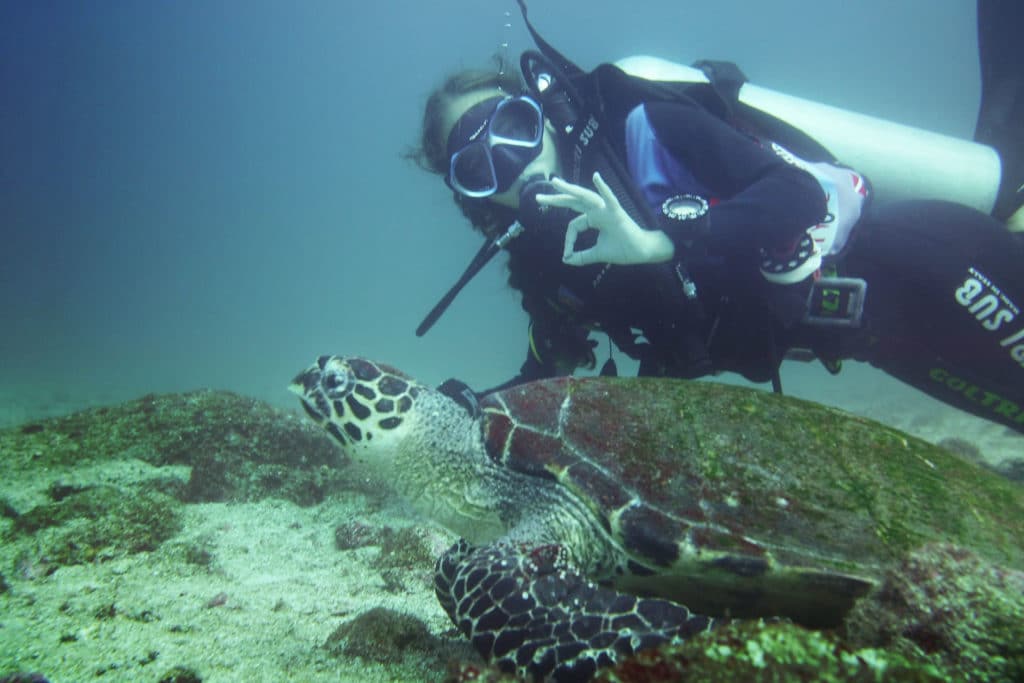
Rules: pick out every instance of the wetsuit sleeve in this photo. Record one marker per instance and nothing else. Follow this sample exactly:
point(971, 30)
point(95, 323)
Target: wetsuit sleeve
point(763, 201)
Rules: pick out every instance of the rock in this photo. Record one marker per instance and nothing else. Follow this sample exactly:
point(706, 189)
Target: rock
point(181, 674)
point(99, 523)
point(949, 604)
point(239, 449)
point(401, 642)
point(381, 635)
point(752, 651)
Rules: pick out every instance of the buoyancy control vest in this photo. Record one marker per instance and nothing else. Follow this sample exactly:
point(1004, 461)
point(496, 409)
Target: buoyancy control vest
point(589, 111)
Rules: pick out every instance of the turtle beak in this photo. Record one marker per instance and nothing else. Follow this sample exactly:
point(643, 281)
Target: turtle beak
point(305, 386)
point(306, 381)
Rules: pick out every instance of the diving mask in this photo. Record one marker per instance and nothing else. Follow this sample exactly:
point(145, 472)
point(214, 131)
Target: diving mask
point(492, 143)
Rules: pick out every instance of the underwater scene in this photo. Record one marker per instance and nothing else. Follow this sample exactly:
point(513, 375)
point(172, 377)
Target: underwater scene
point(235, 447)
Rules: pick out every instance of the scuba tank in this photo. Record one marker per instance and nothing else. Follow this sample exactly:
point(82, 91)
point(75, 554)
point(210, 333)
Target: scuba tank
point(902, 162)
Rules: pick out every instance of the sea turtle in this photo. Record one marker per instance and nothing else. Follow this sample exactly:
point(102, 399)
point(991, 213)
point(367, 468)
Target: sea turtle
point(577, 496)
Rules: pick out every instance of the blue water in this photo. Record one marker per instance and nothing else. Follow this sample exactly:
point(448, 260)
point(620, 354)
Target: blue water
point(210, 193)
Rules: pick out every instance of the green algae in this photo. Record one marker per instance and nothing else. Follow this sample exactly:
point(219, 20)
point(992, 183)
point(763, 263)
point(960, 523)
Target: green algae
point(238, 448)
point(780, 652)
point(99, 523)
point(946, 603)
point(801, 478)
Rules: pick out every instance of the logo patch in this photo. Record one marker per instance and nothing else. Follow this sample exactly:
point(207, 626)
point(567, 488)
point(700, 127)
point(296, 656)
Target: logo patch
point(993, 310)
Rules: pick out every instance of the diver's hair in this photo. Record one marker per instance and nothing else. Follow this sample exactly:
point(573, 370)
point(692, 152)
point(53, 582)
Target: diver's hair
point(432, 153)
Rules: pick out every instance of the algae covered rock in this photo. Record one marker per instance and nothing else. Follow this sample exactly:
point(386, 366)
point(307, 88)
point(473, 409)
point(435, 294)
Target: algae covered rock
point(401, 642)
point(98, 523)
point(238, 448)
point(780, 652)
point(112, 481)
point(947, 603)
point(381, 635)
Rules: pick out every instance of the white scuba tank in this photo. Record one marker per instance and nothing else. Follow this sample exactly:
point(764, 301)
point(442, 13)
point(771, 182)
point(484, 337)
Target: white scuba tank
point(901, 162)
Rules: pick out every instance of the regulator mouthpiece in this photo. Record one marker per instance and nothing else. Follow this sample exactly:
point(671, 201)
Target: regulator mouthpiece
point(533, 215)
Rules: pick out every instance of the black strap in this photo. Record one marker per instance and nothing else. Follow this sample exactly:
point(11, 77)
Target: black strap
point(566, 66)
point(461, 393)
point(726, 79)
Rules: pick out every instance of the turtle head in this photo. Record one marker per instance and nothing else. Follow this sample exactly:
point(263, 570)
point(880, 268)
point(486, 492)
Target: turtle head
point(419, 441)
point(362, 404)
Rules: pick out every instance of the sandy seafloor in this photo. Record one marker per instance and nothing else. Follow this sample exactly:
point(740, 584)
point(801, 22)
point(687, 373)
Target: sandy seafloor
point(284, 585)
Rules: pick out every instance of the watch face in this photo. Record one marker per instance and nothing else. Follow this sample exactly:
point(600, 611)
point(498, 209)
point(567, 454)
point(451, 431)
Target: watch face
point(684, 207)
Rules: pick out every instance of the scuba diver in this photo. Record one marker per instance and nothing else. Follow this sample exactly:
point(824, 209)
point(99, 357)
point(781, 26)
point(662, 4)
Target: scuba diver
point(705, 236)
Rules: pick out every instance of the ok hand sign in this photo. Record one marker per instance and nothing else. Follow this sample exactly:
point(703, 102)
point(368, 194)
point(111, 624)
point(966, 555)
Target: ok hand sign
point(620, 240)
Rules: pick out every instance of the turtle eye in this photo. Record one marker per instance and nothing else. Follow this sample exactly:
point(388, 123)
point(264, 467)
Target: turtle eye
point(336, 383)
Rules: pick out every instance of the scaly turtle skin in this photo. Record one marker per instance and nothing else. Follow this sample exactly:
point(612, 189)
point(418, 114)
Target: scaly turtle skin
point(700, 496)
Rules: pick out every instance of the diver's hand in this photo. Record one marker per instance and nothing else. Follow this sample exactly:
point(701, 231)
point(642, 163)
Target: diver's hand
point(620, 240)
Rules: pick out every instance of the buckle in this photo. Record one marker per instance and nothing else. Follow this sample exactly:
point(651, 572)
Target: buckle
point(836, 302)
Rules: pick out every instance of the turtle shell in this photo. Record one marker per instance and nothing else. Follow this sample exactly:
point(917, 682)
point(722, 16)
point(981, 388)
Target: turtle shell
point(741, 501)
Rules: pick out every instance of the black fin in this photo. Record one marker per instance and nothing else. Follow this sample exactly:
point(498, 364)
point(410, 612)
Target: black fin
point(1001, 115)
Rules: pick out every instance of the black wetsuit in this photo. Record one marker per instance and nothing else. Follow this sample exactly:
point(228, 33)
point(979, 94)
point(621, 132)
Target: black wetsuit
point(944, 282)
point(943, 311)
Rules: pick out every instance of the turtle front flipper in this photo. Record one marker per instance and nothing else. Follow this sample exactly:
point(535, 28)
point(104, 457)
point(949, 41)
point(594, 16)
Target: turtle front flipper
point(527, 610)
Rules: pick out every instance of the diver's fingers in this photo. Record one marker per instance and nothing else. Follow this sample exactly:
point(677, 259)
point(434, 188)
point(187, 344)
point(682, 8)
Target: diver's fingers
point(580, 223)
point(563, 201)
point(603, 190)
point(575, 227)
point(592, 199)
point(585, 257)
point(580, 258)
